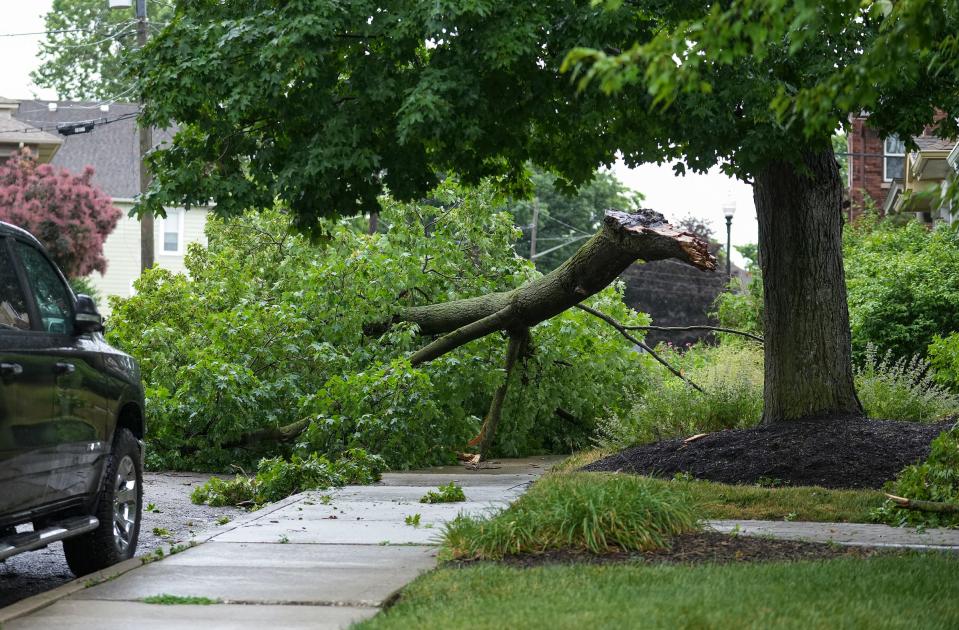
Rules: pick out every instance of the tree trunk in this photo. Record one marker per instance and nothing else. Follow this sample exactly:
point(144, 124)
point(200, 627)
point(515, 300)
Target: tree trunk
point(808, 354)
point(622, 240)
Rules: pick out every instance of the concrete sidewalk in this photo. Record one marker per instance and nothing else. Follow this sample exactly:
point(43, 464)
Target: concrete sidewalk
point(317, 560)
point(852, 534)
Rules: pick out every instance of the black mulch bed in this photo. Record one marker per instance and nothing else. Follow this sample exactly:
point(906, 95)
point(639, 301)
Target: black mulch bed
point(833, 453)
point(697, 548)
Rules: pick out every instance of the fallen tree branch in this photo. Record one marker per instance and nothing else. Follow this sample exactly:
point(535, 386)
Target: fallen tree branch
point(460, 336)
point(686, 328)
point(622, 330)
point(518, 340)
point(622, 239)
point(924, 506)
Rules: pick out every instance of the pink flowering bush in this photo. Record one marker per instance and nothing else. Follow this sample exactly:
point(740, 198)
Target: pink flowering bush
point(70, 216)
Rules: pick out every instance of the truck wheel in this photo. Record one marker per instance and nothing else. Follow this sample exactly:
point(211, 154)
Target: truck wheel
point(117, 509)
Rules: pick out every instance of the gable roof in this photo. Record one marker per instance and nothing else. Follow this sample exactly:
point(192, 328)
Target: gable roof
point(15, 134)
point(112, 148)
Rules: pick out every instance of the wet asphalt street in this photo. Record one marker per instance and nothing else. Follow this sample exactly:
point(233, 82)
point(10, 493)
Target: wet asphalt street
point(37, 571)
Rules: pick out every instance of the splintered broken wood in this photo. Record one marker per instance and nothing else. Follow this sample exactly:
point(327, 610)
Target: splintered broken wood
point(924, 506)
point(692, 439)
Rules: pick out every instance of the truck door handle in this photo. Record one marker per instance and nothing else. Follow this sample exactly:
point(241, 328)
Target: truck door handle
point(11, 369)
point(64, 368)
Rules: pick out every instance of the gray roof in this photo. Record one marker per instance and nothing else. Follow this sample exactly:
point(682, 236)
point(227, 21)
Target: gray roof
point(932, 143)
point(112, 148)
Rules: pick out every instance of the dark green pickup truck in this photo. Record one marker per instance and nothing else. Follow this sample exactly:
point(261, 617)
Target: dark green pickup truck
point(71, 418)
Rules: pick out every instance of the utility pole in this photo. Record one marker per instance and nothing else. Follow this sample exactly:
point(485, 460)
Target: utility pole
point(532, 236)
point(147, 252)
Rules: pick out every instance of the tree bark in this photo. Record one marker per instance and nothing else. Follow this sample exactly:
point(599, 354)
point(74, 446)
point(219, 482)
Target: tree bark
point(622, 240)
point(808, 354)
point(518, 341)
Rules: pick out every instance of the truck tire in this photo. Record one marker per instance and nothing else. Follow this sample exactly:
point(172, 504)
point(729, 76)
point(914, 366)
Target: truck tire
point(118, 508)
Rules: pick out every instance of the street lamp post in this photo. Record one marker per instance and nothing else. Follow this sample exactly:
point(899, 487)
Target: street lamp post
point(147, 250)
point(729, 209)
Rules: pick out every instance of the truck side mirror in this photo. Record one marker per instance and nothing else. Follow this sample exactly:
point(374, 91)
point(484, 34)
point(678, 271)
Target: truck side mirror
point(87, 318)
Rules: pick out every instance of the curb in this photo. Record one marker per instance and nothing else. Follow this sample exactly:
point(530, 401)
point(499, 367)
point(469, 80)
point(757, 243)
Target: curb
point(42, 600)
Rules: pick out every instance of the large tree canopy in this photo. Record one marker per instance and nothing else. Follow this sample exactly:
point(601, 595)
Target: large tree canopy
point(324, 105)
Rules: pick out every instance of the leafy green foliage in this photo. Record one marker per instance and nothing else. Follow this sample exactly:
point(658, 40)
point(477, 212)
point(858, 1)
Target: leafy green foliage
point(565, 216)
point(579, 511)
point(730, 374)
point(85, 53)
point(741, 308)
point(936, 479)
point(754, 77)
point(277, 478)
point(268, 332)
point(787, 73)
point(903, 284)
point(901, 389)
point(450, 493)
point(944, 357)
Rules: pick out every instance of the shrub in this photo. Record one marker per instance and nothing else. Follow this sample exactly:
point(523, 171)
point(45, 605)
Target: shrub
point(901, 389)
point(66, 212)
point(936, 479)
point(267, 333)
point(903, 284)
point(944, 357)
point(730, 374)
point(277, 479)
point(578, 511)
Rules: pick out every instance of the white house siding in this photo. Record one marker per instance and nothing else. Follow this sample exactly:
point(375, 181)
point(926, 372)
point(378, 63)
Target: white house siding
point(122, 251)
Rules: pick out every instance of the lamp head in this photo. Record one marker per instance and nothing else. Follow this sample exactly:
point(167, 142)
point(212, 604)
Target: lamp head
point(729, 209)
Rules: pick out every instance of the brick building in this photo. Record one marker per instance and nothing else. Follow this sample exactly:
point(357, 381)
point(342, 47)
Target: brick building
point(874, 164)
point(882, 172)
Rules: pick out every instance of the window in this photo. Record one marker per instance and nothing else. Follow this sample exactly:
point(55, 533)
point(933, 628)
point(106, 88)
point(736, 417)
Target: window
point(894, 158)
point(173, 232)
point(54, 299)
point(13, 304)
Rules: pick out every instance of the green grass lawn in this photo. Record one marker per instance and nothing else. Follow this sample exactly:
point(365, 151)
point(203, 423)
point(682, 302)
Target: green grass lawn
point(910, 591)
point(726, 501)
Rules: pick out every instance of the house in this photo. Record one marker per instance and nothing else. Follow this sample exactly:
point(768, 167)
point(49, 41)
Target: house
point(884, 174)
point(16, 135)
point(112, 149)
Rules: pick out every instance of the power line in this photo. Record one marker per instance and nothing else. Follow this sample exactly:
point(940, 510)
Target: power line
point(53, 125)
point(553, 249)
point(57, 32)
point(575, 229)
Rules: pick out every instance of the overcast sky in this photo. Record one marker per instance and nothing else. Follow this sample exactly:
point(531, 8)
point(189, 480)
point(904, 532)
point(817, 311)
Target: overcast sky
point(700, 195)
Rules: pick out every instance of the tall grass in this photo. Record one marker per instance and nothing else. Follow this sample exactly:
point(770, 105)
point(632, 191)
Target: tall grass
point(903, 389)
point(730, 374)
point(580, 511)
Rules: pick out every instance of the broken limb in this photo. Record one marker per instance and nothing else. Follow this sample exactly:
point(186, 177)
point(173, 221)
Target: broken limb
point(623, 239)
point(518, 342)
